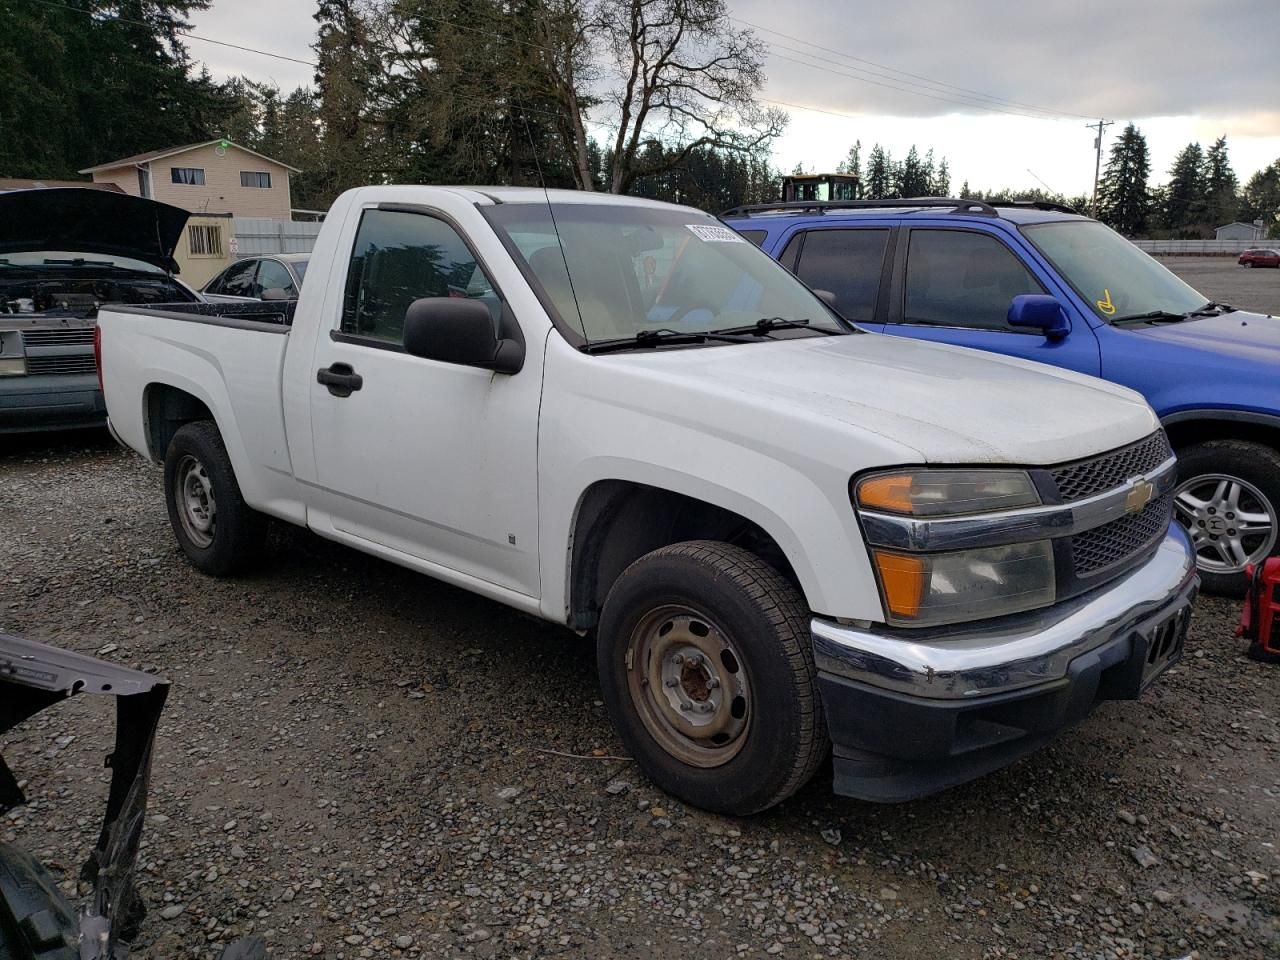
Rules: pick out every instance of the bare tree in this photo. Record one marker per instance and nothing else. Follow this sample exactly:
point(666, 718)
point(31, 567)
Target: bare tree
point(675, 73)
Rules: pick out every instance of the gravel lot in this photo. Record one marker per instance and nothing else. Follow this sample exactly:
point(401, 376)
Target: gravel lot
point(1221, 278)
point(360, 762)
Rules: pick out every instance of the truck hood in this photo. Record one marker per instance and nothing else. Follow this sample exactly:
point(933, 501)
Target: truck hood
point(91, 221)
point(947, 404)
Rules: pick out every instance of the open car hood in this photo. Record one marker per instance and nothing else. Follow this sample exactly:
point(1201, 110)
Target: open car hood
point(91, 221)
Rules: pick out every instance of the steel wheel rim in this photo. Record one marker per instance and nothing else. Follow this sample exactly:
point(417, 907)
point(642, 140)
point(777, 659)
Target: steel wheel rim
point(1231, 522)
point(193, 496)
point(689, 686)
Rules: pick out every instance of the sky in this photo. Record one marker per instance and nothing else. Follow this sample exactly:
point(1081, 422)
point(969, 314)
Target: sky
point(1002, 89)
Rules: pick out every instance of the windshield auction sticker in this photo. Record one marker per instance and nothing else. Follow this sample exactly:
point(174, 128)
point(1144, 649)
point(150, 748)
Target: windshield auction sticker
point(712, 234)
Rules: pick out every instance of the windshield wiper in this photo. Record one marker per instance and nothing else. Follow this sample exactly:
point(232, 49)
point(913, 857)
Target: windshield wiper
point(663, 337)
point(766, 325)
point(1212, 309)
point(1155, 316)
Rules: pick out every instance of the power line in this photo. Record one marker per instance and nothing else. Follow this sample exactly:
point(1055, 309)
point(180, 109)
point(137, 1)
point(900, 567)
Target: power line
point(919, 93)
point(937, 83)
point(178, 33)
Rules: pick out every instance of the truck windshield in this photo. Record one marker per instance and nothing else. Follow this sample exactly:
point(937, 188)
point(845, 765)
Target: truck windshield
point(1116, 279)
point(633, 269)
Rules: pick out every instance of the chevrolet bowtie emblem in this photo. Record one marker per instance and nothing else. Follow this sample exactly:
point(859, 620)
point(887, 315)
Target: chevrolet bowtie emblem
point(1139, 496)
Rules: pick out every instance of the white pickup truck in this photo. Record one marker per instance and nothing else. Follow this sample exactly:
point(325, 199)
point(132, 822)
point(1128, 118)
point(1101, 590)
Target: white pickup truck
point(788, 537)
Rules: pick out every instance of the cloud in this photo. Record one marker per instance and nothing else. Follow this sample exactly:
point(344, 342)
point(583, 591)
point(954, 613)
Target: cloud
point(1089, 57)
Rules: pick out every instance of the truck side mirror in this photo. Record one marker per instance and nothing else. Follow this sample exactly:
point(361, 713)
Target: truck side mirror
point(456, 330)
point(1040, 312)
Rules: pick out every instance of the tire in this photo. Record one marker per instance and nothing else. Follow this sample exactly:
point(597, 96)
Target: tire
point(712, 626)
point(1213, 477)
point(217, 530)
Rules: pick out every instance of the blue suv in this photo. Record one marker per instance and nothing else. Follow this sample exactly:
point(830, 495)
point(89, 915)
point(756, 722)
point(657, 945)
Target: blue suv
point(1040, 281)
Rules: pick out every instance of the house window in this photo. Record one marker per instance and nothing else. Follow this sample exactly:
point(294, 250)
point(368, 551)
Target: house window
point(192, 176)
point(252, 178)
point(205, 240)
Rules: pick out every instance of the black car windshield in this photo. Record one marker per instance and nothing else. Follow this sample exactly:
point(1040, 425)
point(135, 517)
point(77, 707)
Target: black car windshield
point(1115, 278)
point(636, 268)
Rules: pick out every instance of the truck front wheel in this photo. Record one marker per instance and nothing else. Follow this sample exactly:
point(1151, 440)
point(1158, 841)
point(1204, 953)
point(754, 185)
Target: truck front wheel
point(707, 671)
point(217, 530)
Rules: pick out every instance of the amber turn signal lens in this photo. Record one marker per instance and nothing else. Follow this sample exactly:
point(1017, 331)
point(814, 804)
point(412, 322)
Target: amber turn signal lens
point(889, 491)
point(902, 578)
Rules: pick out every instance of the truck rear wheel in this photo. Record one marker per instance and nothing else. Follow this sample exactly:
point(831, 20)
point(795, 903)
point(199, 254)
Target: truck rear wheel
point(219, 532)
point(706, 667)
point(1228, 498)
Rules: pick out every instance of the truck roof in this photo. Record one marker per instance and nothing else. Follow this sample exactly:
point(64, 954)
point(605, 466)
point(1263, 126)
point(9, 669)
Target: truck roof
point(495, 195)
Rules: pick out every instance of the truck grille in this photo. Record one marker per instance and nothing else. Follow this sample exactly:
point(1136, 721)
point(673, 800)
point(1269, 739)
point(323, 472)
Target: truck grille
point(77, 336)
point(75, 363)
point(1098, 474)
point(1096, 550)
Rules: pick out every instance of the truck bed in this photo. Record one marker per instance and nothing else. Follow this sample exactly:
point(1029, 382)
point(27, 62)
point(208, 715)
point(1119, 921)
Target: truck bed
point(274, 312)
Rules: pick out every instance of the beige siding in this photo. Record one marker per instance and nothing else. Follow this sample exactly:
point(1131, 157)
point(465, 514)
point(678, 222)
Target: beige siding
point(126, 178)
point(197, 269)
point(221, 192)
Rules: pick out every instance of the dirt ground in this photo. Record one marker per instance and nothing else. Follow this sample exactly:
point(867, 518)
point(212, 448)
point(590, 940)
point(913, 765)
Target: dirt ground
point(357, 761)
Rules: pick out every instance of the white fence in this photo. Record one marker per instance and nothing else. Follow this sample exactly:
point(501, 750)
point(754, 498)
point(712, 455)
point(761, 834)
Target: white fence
point(1199, 248)
point(256, 236)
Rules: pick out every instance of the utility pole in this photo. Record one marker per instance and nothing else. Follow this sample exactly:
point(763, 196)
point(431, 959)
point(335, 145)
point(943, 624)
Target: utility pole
point(1101, 125)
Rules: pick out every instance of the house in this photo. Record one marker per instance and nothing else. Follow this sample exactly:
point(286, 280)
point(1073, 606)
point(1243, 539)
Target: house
point(1247, 232)
point(214, 177)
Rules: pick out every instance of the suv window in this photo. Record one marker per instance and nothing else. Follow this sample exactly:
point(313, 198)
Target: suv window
point(275, 275)
point(401, 257)
point(958, 278)
point(848, 264)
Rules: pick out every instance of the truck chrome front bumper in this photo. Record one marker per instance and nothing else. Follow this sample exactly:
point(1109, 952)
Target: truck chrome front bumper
point(975, 660)
point(913, 712)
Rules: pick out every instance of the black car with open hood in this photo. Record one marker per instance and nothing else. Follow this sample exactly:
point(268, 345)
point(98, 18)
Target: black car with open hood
point(64, 252)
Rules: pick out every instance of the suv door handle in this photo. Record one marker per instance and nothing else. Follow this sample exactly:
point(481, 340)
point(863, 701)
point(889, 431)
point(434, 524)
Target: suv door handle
point(340, 379)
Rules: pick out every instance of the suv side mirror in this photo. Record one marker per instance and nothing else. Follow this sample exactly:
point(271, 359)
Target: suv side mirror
point(1040, 312)
point(454, 330)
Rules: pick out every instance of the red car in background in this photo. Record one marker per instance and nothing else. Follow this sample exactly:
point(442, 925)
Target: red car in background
point(1260, 257)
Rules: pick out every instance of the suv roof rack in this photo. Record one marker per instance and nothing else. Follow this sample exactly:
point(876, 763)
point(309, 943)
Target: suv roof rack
point(1035, 205)
point(823, 206)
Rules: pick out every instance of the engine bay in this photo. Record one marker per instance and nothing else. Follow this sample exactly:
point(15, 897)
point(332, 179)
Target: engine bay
point(63, 296)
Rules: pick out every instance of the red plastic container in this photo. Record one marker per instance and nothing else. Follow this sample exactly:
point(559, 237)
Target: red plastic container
point(1260, 620)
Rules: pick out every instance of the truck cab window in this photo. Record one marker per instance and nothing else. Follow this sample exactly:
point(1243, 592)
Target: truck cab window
point(401, 257)
point(958, 278)
point(274, 275)
point(238, 280)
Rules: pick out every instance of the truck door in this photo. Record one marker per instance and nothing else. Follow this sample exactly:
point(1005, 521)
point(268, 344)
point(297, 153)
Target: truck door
point(433, 460)
point(954, 286)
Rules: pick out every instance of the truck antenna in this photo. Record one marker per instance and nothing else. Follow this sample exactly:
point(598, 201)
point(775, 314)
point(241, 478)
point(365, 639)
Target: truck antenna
point(554, 226)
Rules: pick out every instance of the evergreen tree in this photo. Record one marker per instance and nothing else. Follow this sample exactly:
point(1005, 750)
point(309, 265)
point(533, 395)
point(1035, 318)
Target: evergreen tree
point(852, 163)
point(965, 192)
point(1220, 185)
point(912, 176)
point(941, 185)
point(879, 174)
point(1262, 198)
point(1184, 204)
point(1123, 199)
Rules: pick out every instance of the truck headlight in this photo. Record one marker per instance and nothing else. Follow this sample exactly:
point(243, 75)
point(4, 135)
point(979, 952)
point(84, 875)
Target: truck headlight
point(12, 361)
point(940, 493)
point(12, 366)
point(931, 588)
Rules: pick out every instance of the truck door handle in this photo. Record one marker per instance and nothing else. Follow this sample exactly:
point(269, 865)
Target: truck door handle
point(340, 379)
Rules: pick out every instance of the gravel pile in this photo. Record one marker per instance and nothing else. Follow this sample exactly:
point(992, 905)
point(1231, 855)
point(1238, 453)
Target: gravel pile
point(360, 762)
